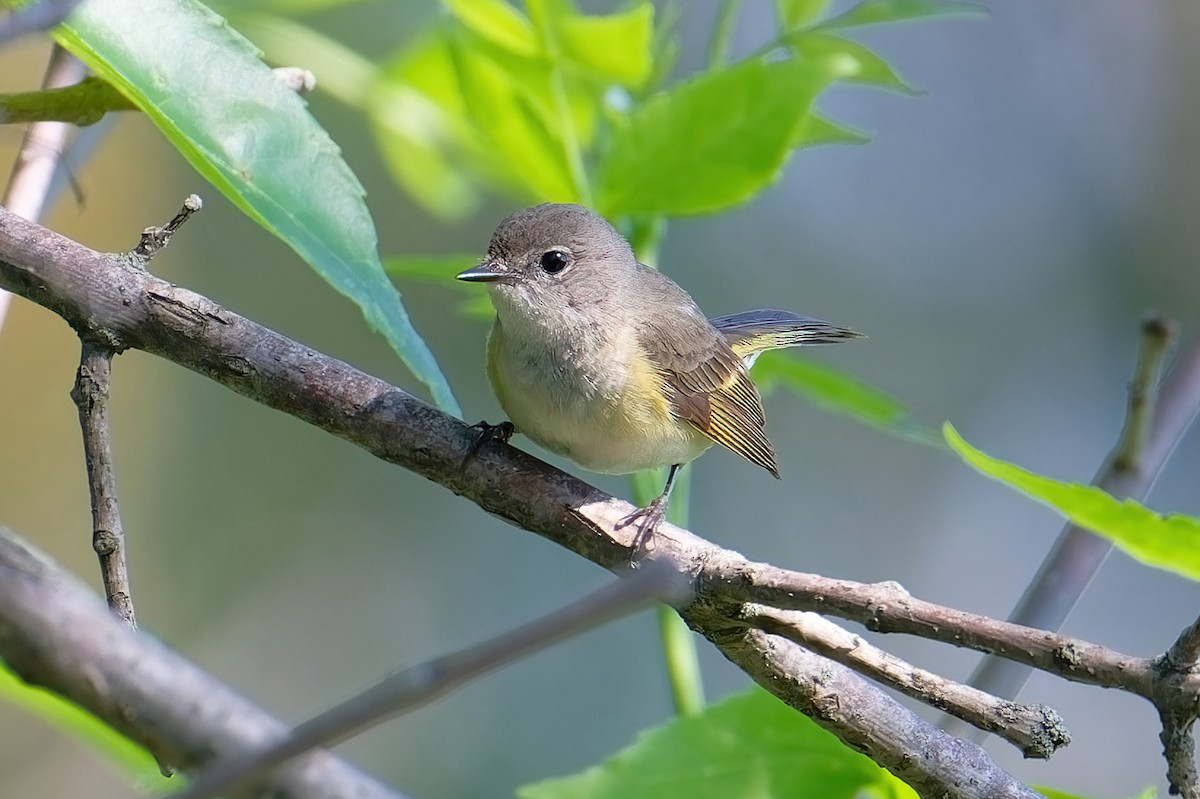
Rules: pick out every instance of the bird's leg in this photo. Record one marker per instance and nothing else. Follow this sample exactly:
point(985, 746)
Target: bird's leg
point(650, 517)
point(488, 432)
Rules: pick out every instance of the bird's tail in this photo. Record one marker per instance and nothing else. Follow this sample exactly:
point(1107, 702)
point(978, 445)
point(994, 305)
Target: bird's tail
point(752, 332)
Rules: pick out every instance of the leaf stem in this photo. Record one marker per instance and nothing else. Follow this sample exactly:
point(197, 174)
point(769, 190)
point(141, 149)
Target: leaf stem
point(718, 45)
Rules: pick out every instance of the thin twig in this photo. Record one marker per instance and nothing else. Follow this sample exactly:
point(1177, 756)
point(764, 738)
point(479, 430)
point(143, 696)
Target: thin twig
point(1036, 730)
point(1078, 554)
point(108, 535)
point(418, 685)
point(38, 16)
point(154, 239)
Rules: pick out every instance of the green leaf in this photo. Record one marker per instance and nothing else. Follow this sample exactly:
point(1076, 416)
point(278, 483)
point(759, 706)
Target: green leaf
point(711, 142)
point(440, 271)
point(504, 114)
point(859, 64)
point(797, 13)
point(1051, 793)
point(877, 12)
point(616, 47)
point(748, 745)
point(206, 89)
point(1170, 542)
point(118, 750)
point(431, 268)
point(835, 390)
point(497, 22)
point(816, 130)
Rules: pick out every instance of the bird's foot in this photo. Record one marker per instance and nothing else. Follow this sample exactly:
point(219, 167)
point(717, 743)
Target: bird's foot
point(647, 520)
point(488, 432)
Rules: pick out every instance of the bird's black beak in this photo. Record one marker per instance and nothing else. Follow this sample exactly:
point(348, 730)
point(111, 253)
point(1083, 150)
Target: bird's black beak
point(486, 272)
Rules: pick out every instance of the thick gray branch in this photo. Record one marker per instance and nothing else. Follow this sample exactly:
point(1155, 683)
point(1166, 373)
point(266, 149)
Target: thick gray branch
point(54, 632)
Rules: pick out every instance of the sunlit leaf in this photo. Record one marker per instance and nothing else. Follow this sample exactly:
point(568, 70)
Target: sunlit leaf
point(615, 47)
point(711, 142)
point(206, 89)
point(877, 12)
point(835, 390)
point(505, 116)
point(796, 13)
point(859, 63)
point(749, 745)
point(498, 22)
point(137, 763)
point(1170, 542)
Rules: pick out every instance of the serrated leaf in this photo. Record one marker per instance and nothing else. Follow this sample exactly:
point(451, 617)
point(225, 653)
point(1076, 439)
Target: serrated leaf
point(130, 758)
point(709, 143)
point(615, 47)
point(878, 12)
point(751, 744)
point(835, 390)
point(859, 64)
point(206, 89)
point(797, 13)
point(1170, 542)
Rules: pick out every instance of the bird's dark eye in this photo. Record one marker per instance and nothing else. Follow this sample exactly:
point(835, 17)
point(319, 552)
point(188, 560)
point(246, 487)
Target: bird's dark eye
point(554, 261)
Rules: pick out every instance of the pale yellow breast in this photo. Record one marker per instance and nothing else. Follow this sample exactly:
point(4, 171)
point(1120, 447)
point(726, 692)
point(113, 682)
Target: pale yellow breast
point(604, 410)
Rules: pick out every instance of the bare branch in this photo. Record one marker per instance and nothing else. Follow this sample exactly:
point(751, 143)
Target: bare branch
point(1130, 471)
point(108, 534)
point(418, 685)
point(54, 633)
point(1036, 730)
point(155, 239)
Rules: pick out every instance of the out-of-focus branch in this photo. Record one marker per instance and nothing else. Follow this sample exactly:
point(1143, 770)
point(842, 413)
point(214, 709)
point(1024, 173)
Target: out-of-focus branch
point(1154, 421)
point(37, 161)
point(418, 685)
point(55, 633)
point(39, 15)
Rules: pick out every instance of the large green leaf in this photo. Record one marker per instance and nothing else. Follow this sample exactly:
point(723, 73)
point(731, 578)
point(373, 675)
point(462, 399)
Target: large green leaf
point(206, 89)
point(1170, 542)
point(711, 142)
point(835, 390)
point(748, 745)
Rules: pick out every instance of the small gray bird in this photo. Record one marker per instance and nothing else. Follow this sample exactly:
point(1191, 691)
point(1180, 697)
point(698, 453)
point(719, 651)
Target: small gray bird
point(609, 362)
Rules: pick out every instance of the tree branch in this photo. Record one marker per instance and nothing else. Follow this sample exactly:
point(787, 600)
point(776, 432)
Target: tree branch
point(1145, 443)
point(1038, 731)
point(108, 534)
point(54, 633)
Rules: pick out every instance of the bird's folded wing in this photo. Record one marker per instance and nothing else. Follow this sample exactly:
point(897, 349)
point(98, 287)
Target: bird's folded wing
point(707, 385)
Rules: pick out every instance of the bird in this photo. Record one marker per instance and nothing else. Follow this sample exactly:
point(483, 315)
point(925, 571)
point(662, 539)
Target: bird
point(602, 359)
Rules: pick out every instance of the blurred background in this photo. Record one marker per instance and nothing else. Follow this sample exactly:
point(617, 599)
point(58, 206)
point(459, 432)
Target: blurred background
point(999, 240)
